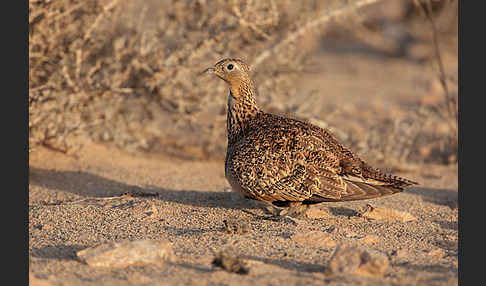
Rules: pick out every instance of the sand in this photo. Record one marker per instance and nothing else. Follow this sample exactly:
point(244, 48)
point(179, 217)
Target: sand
point(76, 202)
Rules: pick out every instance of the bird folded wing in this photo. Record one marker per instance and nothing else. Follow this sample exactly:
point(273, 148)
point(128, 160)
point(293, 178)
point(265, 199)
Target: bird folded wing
point(325, 183)
point(289, 188)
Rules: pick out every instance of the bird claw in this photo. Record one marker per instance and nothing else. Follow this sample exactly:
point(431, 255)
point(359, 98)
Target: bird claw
point(295, 212)
point(290, 213)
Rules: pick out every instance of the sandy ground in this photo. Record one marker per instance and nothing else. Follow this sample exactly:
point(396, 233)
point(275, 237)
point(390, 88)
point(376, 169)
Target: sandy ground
point(74, 204)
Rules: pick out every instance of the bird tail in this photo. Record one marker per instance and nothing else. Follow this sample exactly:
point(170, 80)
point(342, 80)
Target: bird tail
point(356, 190)
point(379, 177)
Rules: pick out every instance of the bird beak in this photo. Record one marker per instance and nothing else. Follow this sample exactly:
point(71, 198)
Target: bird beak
point(209, 70)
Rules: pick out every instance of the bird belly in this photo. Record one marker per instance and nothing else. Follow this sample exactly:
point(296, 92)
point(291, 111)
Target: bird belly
point(237, 188)
point(235, 185)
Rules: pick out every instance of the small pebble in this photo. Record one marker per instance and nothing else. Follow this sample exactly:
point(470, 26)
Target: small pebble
point(349, 259)
point(229, 261)
point(124, 253)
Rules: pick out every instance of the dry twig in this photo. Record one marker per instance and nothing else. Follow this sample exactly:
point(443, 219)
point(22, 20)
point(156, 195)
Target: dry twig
point(327, 17)
point(450, 99)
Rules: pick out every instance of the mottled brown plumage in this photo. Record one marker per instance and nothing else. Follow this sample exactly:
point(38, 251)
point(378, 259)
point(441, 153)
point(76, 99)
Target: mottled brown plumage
point(288, 162)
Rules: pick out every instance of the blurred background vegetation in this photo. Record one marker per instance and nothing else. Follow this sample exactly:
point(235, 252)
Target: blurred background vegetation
point(381, 75)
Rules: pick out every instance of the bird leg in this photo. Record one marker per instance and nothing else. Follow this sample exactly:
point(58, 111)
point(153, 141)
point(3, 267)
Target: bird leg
point(295, 209)
point(290, 209)
point(269, 208)
point(281, 210)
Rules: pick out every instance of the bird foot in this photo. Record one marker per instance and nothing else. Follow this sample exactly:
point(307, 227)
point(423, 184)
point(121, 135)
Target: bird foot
point(292, 213)
point(272, 210)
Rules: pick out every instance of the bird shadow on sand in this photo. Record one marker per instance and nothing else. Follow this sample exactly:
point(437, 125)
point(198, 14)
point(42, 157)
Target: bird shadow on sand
point(60, 251)
point(442, 197)
point(432, 268)
point(87, 184)
point(289, 264)
point(91, 185)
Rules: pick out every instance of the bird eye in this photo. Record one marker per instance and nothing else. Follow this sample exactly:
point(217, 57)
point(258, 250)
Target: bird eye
point(230, 67)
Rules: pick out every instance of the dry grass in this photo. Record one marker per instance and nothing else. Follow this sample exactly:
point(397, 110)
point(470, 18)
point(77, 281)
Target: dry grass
point(128, 73)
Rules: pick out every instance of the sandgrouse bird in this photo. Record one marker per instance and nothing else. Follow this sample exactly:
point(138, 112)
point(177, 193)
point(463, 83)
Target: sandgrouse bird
point(287, 162)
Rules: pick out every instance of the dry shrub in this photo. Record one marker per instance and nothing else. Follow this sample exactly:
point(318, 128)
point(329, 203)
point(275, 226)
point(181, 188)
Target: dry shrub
point(421, 136)
point(128, 72)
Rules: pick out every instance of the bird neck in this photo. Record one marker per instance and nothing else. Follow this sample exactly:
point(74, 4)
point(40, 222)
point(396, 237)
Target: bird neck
point(242, 109)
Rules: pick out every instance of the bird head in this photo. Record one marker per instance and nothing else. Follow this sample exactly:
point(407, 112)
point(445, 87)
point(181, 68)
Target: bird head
point(232, 71)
